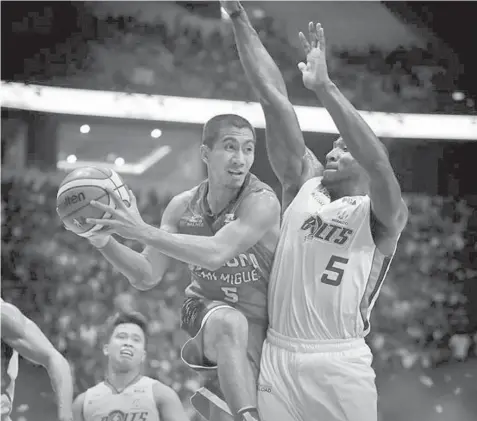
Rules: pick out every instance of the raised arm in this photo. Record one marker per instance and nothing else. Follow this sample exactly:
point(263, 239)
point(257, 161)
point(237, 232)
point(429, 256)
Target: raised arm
point(291, 161)
point(144, 270)
point(28, 340)
point(385, 192)
point(258, 214)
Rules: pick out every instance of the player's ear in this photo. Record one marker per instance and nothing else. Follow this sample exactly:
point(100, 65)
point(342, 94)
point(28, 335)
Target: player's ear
point(204, 153)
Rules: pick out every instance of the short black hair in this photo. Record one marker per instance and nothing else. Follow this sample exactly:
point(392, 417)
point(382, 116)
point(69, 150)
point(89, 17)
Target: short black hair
point(212, 128)
point(134, 318)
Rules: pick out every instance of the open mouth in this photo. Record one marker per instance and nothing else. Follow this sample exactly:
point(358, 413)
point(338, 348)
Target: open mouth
point(126, 353)
point(235, 173)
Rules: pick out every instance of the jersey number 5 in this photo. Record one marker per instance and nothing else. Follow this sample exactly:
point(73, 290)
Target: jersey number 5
point(230, 294)
point(333, 274)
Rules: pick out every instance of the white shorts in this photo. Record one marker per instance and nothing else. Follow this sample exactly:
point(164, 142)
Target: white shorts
point(302, 380)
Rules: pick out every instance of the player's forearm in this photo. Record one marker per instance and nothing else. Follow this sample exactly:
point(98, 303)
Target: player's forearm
point(360, 139)
point(133, 265)
point(62, 382)
point(262, 72)
point(191, 249)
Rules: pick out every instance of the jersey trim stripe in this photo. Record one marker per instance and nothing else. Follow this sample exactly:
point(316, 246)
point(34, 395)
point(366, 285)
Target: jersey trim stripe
point(379, 267)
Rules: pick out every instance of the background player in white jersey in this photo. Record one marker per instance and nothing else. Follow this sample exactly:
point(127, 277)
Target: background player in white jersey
point(22, 336)
point(340, 229)
point(226, 229)
point(125, 394)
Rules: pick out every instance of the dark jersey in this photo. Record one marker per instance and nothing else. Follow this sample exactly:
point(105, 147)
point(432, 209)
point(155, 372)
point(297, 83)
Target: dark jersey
point(7, 353)
point(243, 281)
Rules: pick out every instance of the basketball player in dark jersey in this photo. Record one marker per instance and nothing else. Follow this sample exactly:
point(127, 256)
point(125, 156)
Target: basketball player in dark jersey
point(21, 336)
point(226, 229)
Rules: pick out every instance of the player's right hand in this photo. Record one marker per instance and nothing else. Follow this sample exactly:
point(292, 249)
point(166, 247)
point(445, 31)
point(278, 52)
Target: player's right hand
point(231, 6)
point(99, 240)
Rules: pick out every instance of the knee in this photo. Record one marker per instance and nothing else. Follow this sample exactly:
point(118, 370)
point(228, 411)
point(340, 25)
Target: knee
point(233, 329)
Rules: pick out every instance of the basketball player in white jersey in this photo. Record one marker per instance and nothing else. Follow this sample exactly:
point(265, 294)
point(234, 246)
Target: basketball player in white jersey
point(125, 394)
point(22, 336)
point(340, 229)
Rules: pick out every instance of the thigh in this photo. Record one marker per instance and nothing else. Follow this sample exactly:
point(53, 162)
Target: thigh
point(337, 388)
point(195, 313)
point(276, 398)
point(256, 337)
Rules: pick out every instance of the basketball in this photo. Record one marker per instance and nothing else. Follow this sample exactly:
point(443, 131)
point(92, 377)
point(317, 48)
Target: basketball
point(79, 188)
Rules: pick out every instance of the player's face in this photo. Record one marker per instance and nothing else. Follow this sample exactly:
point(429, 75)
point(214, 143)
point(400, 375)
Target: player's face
point(126, 347)
point(340, 164)
point(232, 156)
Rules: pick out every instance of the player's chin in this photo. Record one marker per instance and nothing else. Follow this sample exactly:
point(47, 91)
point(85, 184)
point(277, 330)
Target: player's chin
point(235, 180)
point(330, 175)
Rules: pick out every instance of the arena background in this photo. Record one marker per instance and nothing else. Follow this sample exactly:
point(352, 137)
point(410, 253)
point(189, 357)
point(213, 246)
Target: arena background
point(387, 57)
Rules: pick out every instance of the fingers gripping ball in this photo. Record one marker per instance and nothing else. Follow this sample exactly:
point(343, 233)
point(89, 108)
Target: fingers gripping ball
point(82, 186)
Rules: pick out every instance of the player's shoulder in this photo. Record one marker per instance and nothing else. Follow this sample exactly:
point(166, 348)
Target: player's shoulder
point(179, 203)
point(254, 184)
point(96, 389)
point(163, 393)
point(258, 196)
point(79, 400)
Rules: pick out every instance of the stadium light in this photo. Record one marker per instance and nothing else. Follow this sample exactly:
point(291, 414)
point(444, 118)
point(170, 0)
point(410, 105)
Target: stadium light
point(198, 111)
point(119, 161)
point(156, 133)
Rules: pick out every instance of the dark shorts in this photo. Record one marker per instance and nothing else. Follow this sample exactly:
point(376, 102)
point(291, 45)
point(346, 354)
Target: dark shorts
point(194, 314)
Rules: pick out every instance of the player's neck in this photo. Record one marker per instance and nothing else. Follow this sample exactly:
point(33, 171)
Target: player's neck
point(220, 196)
point(346, 188)
point(120, 380)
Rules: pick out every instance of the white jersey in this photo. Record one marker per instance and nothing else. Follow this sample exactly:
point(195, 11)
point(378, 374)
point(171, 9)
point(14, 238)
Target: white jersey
point(135, 403)
point(327, 271)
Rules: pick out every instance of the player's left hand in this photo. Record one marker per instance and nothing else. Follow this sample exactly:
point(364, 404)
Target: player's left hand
point(315, 71)
point(125, 221)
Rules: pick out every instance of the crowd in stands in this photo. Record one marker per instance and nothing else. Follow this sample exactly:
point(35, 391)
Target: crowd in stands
point(67, 287)
point(181, 54)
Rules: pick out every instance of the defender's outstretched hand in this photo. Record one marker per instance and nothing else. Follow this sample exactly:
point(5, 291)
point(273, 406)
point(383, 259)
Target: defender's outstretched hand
point(125, 221)
point(315, 71)
point(231, 6)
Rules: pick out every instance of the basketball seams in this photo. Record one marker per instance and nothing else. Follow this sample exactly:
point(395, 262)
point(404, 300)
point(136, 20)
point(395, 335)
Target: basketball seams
point(112, 180)
point(103, 172)
point(87, 204)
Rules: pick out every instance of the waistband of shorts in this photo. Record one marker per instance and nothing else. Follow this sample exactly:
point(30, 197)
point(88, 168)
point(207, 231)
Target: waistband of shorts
point(310, 345)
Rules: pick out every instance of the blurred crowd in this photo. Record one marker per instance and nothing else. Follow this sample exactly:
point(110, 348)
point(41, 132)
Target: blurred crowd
point(181, 54)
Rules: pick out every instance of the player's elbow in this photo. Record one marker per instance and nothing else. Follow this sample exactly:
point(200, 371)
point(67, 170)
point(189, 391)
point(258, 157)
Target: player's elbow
point(213, 263)
point(146, 281)
point(55, 362)
point(216, 258)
